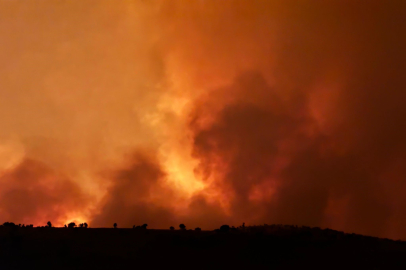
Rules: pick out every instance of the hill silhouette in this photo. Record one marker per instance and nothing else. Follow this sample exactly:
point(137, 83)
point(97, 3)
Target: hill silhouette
point(245, 247)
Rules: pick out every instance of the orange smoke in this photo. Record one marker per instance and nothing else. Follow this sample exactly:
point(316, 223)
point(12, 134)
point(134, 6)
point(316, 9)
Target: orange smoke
point(203, 113)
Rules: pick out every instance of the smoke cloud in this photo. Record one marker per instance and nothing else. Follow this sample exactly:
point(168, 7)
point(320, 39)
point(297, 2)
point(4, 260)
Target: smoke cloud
point(34, 193)
point(204, 113)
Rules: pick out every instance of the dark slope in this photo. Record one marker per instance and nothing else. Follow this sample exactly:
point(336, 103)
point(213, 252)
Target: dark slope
point(270, 247)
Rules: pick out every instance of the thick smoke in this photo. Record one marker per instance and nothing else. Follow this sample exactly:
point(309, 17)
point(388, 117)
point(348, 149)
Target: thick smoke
point(130, 200)
point(277, 167)
point(315, 145)
point(139, 194)
point(251, 111)
point(34, 193)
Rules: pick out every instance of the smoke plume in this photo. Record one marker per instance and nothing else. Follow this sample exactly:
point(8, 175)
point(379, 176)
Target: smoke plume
point(204, 113)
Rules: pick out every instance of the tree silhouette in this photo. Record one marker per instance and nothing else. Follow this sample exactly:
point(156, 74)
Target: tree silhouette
point(9, 224)
point(182, 227)
point(171, 228)
point(198, 229)
point(72, 225)
point(85, 225)
point(49, 224)
point(144, 226)
point(81, 225)
point(224, 228)
point(115, 225)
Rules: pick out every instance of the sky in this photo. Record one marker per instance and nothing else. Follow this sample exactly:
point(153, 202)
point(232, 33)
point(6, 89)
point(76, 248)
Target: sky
point(204, 113)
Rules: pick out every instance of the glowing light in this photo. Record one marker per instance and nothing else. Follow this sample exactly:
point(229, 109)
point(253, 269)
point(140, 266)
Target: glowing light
point(181, 175)
point(77, 220)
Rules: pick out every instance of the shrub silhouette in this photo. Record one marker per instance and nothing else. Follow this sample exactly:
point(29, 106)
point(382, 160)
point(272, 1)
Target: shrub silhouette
point(182, 227)
point(224, 228)
point(49, 224)
point(85, 225)
point(198, 229)
point(10, 225)
point(72, 225)
point(171, 228)
point(144, 226)
point(115, 225)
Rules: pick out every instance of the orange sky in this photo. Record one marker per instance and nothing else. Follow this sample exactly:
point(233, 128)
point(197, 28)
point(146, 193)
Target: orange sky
point(204, 113)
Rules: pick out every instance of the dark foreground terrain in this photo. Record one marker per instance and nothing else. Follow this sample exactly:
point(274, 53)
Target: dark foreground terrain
point(272, 247)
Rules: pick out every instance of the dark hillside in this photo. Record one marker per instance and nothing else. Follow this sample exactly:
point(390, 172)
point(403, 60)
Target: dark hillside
point(262, 247)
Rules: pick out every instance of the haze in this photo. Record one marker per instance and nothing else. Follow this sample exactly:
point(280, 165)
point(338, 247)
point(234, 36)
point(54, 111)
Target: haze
point(204, 113)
